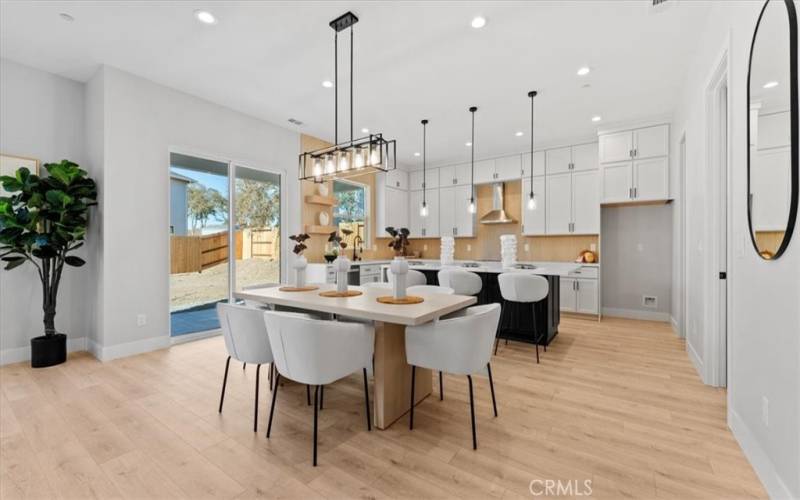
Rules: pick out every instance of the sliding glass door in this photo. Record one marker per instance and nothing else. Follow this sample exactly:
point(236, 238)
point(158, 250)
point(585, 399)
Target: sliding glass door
point(224, 237)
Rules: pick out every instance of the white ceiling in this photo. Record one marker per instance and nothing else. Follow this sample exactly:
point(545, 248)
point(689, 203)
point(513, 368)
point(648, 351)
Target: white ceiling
point(414, 60)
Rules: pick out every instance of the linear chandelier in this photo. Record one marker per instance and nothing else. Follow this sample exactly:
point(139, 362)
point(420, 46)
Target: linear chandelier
point(370, 153)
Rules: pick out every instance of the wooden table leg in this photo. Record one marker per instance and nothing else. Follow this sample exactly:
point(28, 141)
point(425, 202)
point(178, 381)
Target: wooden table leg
point(393, 375)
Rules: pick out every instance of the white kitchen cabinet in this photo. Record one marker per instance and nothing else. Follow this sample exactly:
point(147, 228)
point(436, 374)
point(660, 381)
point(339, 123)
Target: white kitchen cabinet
point(558, 160)
point(586, 296)
point(454, 218)
point(538, 164)
point(559, 203)
point(650, 179)
point(616, 147)
point(507, 168)
point(585, 157)
point(430, 181)
point(484, 171)
point(567, 297)
point(585, 203)
point(641, 173)
point(534, 222)
point(393, 207)
point(424, 227)
point(397, 179)
point(580, 292)
point(651, 142)
point(454, 175)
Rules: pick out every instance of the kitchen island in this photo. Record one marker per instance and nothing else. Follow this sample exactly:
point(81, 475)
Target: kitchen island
point(519, 318)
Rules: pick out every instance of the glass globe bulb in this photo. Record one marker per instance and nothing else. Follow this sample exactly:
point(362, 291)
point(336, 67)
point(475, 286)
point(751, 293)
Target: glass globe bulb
point(532, 202)
point(471, 207)
point(423, 211)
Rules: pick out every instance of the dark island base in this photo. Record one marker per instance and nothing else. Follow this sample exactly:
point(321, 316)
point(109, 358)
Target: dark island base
point(517, 322)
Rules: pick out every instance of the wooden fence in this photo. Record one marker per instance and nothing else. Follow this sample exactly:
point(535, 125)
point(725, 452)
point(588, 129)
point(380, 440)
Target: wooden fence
point(189, 254)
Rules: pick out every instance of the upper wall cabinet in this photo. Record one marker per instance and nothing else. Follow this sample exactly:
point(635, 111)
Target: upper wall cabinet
point(454, 175)
point(572, 158)
point(508, 168)
point(392, 206)
point(416, 181)
point(538, 163)
point(635, 165)
point(423, 227)
point(396, 178)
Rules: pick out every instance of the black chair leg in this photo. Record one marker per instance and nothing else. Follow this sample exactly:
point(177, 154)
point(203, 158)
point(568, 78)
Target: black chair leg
point(496, 343)
point(244, 365)
point(224, 383)
point(272, 406)
point(441, 387)
point(366, 400)
point(413, 383)
point(537, 351)
point(316, 404)
point(321, 396)
point(308, 395)
point(491, 386)
point(472, 414)
point(255, 417)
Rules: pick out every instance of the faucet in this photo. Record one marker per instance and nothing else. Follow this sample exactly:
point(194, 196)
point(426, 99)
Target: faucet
point(356, 241)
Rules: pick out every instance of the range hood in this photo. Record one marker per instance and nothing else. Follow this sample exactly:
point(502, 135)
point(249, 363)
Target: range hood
point(498, 214)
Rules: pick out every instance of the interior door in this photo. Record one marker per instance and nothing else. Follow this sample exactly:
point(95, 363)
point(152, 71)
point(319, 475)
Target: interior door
point(650, 179)
point(585, 157)
point(586, 296)
point(559, 203)
point(585, 203)
point(616, 147)
point(651, 142)
point(447, 211)
point(558, 160)
point(465, 221)
point(617, 181)
point(534, 221)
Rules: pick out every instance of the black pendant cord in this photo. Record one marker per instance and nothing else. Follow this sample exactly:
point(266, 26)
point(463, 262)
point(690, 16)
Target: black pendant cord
point(336, 87)
point(351, 85)
point(424, 168)
point(532, 94)
point(472, 110)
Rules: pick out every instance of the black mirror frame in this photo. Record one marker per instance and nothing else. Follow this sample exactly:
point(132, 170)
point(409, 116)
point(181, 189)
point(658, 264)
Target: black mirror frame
point(795, 180)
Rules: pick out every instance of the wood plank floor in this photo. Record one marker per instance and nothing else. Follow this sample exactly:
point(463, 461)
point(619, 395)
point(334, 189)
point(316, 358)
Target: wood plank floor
point(616, 402)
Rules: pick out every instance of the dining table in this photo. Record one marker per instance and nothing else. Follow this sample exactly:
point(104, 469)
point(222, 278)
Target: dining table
point(392, 373)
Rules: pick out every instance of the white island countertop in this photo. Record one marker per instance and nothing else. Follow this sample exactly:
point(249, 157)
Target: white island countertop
point(543, 268)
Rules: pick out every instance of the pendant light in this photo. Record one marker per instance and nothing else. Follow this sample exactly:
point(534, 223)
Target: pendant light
point(371, 153)
point(423, 210)
point(472, 208)
point(531, 196)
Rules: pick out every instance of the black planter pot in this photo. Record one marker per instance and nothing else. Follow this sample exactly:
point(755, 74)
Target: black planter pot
point(48, 350)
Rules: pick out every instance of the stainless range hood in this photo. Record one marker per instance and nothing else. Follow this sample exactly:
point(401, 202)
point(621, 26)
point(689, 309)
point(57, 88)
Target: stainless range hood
point(498, 214)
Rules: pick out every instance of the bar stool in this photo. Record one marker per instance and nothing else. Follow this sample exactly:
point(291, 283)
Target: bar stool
point(523, 289)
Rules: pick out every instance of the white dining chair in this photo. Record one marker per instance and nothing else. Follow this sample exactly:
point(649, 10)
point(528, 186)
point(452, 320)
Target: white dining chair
point(413, 278)
point(413, 290)
point(317, 352)
point(523, 289)
point(462, 282)
point(245, 340)
point(460, 346)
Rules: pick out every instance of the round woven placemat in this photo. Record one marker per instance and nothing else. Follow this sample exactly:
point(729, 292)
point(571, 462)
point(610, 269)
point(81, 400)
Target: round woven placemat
point(408, 299)
point(334, 293)
point(306, 288)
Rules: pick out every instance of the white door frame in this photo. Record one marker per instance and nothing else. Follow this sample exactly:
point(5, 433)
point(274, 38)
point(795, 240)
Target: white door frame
point(718, 234)
point(682, 245)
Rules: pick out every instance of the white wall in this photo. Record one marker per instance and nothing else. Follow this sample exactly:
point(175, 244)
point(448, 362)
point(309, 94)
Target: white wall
point(764, 335)
point(41, 116)
point(142, 121)
point(637, 260)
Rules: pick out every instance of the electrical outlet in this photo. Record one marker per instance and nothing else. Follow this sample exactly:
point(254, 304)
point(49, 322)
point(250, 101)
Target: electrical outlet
point(765, 411)
point(141, 319)
point(650, 301)
point(469, 247)
point(593, 247)
point(527, 247)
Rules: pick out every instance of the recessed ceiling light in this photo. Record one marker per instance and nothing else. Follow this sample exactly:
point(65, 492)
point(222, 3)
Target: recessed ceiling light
point(205, 17)
point(518, 134)
point(583, 71)
point(66, 17)
point(478, 22)
point(365, 131)
point(468, 144)
point(770, 85)
point(416, 154)
point(327, 84)
point(596, 118)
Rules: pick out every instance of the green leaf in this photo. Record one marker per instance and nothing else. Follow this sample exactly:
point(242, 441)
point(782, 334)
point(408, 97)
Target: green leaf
point(74, 261)
point(12, 263)
point(58, 198)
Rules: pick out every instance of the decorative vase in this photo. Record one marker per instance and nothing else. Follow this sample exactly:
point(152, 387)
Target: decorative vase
point(399, 270)
point(341, 265)
point(300, 265)
point(48, 350)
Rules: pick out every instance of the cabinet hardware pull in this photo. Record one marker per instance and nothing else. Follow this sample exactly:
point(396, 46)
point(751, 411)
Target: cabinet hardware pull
point(630, 193)
point(635, 152)
point(635, 192)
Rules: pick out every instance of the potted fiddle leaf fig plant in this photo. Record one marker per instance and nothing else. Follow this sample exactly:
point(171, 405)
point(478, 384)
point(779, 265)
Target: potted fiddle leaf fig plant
point(43, 221)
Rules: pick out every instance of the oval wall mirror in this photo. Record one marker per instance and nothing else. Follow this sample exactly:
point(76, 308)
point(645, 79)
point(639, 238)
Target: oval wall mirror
point(772, 162)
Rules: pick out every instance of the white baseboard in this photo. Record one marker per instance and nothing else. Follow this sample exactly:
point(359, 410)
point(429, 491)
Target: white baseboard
point(675, 327)
point(104, 353)
point(765, 469)
point(20, 354)
point(697, 362)
point(636, 314)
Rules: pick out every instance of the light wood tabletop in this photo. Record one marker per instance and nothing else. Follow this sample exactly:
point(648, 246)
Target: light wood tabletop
point(392, 372)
